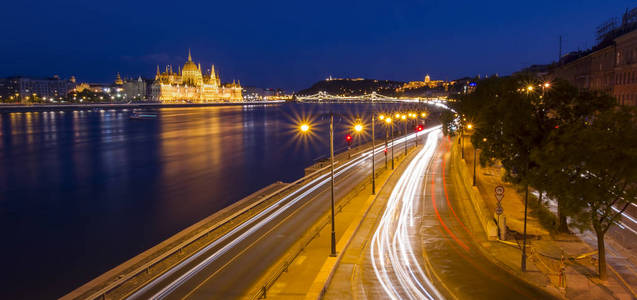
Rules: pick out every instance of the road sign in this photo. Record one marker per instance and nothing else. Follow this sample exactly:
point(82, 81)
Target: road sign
point(499, 194)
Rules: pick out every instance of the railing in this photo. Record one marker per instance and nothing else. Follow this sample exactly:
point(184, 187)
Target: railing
point(146, 267)
point(261, 292)
point(177, 249)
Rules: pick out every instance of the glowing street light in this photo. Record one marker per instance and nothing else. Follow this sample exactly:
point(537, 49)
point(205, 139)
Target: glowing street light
point(304, 128)
point(358, 127)
point(388, 122)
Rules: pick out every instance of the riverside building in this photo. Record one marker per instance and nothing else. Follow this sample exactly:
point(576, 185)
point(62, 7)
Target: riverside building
point(190, 84)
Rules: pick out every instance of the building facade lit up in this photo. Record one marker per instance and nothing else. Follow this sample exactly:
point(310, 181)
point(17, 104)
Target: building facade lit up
point(190, 84)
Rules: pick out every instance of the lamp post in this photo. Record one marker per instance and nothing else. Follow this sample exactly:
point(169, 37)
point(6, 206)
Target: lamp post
point(358, 128)
point(382, 118)
point(373, 156)
point(305, 128)
point(404, 118)
point(389, 123)
point(333, 253)
point(413, 117)
point(474, 165)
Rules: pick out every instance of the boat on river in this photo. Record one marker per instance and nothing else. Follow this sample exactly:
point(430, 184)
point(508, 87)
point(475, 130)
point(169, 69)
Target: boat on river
point(143, 116)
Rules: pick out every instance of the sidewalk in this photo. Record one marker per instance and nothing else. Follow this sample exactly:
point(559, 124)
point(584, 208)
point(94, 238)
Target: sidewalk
point(545, 248)
point(308, 274)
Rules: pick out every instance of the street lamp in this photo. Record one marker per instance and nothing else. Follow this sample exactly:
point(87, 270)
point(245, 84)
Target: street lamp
point(413, 117)
point(305, 128)
point(404, 119)
point(389, 123)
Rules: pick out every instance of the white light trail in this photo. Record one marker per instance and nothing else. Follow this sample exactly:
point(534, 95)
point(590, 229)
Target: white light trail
point(391, 252)
point(274, 210)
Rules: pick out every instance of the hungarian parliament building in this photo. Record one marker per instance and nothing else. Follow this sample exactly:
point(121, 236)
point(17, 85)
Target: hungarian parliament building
point(190, 84)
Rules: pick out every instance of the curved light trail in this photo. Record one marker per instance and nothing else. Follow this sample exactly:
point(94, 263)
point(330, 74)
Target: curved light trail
point(391, 252)
point(251, 226)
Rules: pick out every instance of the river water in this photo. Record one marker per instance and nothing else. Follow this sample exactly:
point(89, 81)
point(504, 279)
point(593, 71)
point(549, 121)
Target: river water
point(82, 191)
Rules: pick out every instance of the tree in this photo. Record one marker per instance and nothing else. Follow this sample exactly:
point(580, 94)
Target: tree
point(593, 167)
point(447, 119)
point(562, 105)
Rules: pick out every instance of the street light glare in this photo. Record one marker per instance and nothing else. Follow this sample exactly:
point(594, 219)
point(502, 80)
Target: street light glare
point(358, 127)
point(388, 120)
point(547, 85)
point(381, 117)
point(529, 88)
point(304, 127)
point(469, 126)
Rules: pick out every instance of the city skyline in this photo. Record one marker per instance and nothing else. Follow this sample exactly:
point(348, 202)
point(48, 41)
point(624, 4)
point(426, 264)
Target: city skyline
point(95, 42)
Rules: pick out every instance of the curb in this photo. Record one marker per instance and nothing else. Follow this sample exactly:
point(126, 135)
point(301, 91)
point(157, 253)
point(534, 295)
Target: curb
point(323, 279)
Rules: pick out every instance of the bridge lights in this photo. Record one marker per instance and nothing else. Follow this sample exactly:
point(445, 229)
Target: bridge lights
point(304, 127)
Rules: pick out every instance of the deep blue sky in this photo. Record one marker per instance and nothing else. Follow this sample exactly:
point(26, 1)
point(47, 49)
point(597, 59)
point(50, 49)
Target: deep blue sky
point(292, 44)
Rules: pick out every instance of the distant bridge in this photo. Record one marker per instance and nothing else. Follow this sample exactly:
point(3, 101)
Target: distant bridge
point(323, 96)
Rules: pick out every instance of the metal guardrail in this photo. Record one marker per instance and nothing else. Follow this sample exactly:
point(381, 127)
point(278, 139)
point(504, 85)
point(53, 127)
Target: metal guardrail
point(145, 267)
point(101, 294)
point(261, 292)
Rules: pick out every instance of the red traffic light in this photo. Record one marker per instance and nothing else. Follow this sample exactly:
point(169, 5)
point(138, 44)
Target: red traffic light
point(419, 128)
point(348, 137)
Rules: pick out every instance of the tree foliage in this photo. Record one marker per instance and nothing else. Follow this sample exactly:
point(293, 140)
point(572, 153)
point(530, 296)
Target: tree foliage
point(577, 146)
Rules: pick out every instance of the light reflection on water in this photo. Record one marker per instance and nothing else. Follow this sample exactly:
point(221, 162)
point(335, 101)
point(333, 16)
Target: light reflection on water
point(81, 191)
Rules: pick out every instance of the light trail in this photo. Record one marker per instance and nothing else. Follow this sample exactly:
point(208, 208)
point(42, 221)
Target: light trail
point(391, 252)
point(267, 214)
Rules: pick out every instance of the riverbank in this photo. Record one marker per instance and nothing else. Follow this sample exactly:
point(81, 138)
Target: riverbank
point(46, 107)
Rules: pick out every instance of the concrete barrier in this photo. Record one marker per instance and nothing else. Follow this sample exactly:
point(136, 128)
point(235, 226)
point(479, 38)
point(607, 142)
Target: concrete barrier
point(461, 174)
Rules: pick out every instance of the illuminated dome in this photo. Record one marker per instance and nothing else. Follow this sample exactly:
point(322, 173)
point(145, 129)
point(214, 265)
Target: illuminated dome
point(190, 65)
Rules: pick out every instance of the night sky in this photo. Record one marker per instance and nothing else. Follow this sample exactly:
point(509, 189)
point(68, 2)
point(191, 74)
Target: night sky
point(292, 44)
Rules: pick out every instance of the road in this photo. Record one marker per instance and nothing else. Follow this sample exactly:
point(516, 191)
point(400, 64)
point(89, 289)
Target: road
point(228, 267)
point(423, 246)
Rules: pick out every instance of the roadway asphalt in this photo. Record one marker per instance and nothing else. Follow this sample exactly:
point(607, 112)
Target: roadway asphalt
point(424, 245)
point(227, 268)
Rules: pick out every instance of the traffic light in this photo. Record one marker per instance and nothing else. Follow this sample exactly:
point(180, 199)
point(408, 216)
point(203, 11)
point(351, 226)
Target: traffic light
point(419, 128)
point(348, 139)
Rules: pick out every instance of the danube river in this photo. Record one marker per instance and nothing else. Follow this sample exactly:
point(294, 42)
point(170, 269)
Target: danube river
point(82, 191)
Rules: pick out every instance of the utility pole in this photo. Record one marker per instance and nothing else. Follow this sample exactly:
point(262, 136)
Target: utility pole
point(373, 150)
point(333, 253)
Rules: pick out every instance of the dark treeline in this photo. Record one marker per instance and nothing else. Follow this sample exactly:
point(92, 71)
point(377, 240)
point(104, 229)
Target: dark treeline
point(576, 147)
